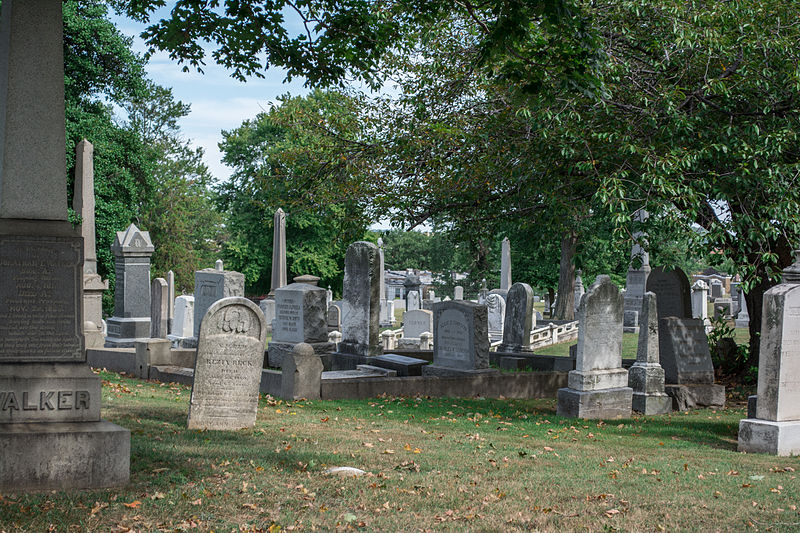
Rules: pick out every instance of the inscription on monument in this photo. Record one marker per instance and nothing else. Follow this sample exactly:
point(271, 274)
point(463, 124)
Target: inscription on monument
point(453, 340)
point(43, 278)
point(288, 317)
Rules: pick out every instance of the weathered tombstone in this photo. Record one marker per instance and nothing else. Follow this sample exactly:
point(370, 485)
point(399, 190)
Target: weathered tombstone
point(93, 285)
point(519, 319)
point(412, 301)
point(417, 322)
point(278, 252)
point(776, 427)
point(211, 285)
point(646, 377)
point(736, 297)
point(483, 293)
point(717, 291)
point(672, 292)
point(412, 284)
point(460, 340)
point(387, 306)
point(132, 250)
point(723, 308)
point(218, 265)
point(227, 372)
point(496, 306)
point(636, 282)
point(183, 324)
point(505, 264)
point(598, 387)
point(159, 308)
point(170, 300)
point(686, 360)
point(300, 316)
point(51, 433)
point(334, 318)
point(301, 373)
point(329, 296)
point(743, 318)
point(579, 289)
point(361, 301)
point(700, 300)
point(458, 293)
point(267, 306)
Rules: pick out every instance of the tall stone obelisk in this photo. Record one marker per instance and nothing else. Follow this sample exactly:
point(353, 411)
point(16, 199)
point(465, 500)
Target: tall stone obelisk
point(278, 252)
point(93, 285)
point(505, 265)
point(51, 434)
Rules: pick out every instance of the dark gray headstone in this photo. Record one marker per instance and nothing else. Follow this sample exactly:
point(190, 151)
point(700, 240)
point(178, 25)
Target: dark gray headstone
point(519, 320)
point(683, 346)
point(159, 308)
point(211, 285)
point(361, 301)
point(300, 314)
point(672, 291)
point(227, 372)
point(460, 335)
point(301, 373)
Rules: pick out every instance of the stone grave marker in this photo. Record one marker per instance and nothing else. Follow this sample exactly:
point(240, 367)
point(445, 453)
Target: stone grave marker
point(458, 293)
point(717, 290)
point(301, 373)
point(415, 323)
point(776, 427)
point(638, 274)
point(211, 285)
point(460, 340)
point(51, 433)
point(334, 318)
point(672, 292)
point(496, 306)
point(278, 279)
point(646, 377)
point(598, 387)
point(132, 249)
point(412, 301)
point(159, 308)
point(519, 320)
point(361, 301)
point(227, 373)
point(300, 317)
point(579, 289)
point(505, 264)
point(700, 300)
point(183, 323)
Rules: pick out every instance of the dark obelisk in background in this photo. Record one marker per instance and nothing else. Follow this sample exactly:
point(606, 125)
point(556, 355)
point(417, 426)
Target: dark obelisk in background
point(51, 435)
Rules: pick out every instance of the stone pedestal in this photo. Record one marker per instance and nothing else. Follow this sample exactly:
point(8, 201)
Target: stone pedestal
point(767, 436)
point(646, 376)
point(301, 374)
point(300, 317)
point(93, 288)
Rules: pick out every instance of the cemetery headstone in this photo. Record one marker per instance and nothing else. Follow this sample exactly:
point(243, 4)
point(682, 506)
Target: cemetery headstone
point(505, 265)
point(300, 317)
point(700, 300)
point(361, 301)
point(93, 285)
point(579, 289)
point(417, 322)
point(334, 318)
point(598, 387)
point(411, 284)
point(218, 265)
point(743, 317)
point(519, 319)
point(170, 300)
point(717, 291)
point(159, 308)
point(460, 340)
point(211, 285)
point(776, 427)
point(412, 301)
point(132, 249)
point(686, 360)
point(646, 377)
point(278, 252)
point(227, 373)
point(51, 433)
point(267, 306)
point(496, 306)
point(183, 324)
point(672, 292)
point(458, 293)
point(301, 373)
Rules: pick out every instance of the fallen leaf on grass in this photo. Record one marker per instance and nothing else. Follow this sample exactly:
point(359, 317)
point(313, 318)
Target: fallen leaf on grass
point(97, 507)
point(388, 451)
point(158, 496)
point(612, 512)
point(133, 504)
point(250, 506)
point(198, 501)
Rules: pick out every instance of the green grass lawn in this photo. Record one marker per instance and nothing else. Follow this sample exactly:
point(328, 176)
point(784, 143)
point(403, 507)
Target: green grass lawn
point(433, 465)
point(629, 344)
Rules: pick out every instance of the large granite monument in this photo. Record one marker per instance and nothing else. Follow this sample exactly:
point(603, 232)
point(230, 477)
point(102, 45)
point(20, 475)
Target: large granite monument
point(227, 372)
point(51, 433)
point(131, 321)
point(776, 426)
point(460, 340)
point(361, 301)
point(598, 387)
point(300, 317)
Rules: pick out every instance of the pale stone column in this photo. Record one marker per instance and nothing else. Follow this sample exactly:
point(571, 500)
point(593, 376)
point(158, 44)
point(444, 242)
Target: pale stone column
point(505, 265)
point(278, 253)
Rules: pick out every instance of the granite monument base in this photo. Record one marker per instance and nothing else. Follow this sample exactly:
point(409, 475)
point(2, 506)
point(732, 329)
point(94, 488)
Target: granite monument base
point(276, 351)
point(63, 455)
point(693, 396)
point(124, 332)
point(766, 436)
point(447, 372)
point(595, 404)
point(651, 404)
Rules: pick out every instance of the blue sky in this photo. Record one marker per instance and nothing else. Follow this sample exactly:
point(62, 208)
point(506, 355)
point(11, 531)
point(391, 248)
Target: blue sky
point(218, 101)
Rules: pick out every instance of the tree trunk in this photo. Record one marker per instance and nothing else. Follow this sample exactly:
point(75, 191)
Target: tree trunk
point(565, 305)
point(551, 300)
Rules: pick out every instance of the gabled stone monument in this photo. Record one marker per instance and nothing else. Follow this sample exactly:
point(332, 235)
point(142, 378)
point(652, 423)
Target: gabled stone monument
point(776, 426)
point(598, 387)
point(361, 301)
point(227, 372)
point(646, 377)
point(93, 285)
point(520, 319)
point(51, 433)
point(131, 321)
